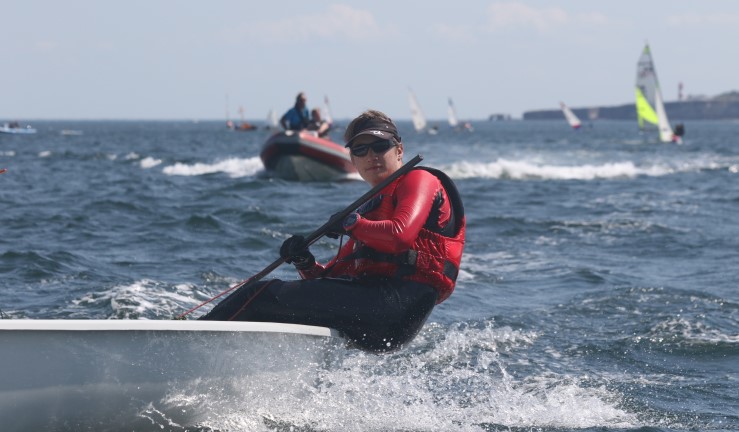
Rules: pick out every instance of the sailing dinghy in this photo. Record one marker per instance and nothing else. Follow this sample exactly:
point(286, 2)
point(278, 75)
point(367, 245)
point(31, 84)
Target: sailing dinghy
point(650, 108)
point(454, 120)
point(107, 374)
point(327, 111)
point(452, 115)
point(272, 122)
point(571, 118)
point(419, 120)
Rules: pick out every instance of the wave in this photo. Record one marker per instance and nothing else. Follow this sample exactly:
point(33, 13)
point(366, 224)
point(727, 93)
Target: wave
point(691, 334)
point(450, 379)
point(527, 170)
point(149, 162)
point(143, 299)
point(234, 167)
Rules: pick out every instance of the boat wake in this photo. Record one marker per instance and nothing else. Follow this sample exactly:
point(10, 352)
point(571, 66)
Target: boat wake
point(451, 379)
point(527, 170)
point(234, 167)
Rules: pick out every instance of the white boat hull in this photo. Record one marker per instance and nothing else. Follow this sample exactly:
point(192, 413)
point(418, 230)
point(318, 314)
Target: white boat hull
point(17, 130)
point(116, 374)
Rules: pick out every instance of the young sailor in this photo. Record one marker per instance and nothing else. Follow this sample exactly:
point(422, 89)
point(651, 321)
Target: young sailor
point(318, 124)
point(402, 256)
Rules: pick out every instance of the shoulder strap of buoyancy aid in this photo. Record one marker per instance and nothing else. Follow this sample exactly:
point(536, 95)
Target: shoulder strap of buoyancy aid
point(455, 203)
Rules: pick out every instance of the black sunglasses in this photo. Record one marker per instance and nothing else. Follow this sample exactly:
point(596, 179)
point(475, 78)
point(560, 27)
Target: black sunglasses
point(379, 147)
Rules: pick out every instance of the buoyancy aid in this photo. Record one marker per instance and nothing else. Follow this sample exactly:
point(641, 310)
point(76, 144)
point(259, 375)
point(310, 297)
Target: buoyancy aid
point(435, 254)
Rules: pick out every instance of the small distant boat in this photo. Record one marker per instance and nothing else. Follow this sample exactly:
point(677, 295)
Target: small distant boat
point(454, 120)
point(15, 128)
point(650, 108)
point(452, 115)
point(70, 132)
point(302, 156)
point(244, 125)
point(327, 111)
point(419, 120)
point(102, 374)
point(571, 118)
point(593, 113)
point(272, 121)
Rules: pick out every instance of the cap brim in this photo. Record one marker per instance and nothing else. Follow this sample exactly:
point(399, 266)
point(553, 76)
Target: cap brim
point(374, 132)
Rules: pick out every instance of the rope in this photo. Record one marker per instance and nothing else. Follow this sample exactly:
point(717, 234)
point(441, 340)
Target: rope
point(256, 294)
point(238, 285)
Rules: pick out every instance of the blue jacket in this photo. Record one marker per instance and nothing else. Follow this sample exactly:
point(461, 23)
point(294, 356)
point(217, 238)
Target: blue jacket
point(294, 120)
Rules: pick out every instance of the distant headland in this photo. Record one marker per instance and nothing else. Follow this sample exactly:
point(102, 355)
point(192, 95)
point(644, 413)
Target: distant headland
point(722, 107)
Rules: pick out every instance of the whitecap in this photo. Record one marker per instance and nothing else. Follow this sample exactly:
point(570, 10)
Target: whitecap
point(521, 170)
point(540, 168)
point(234, 167)
point(149, 162)
point(140, 299)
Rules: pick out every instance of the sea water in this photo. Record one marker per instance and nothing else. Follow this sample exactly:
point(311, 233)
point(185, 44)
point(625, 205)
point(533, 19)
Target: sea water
point(599, 288)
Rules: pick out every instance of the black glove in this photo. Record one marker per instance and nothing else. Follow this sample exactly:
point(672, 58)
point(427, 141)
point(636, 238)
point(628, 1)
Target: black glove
point(340, 228)
point(295, 251)
point(337, 229)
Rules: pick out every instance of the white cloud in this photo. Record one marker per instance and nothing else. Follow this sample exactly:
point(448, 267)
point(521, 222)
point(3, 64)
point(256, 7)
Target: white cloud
point(337, 21)
point(517, 15)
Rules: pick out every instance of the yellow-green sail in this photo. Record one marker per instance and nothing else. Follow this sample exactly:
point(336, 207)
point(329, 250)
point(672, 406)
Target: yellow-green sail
point(644, 111)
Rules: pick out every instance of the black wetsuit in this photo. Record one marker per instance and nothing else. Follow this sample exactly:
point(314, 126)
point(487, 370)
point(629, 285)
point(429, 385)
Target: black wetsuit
point(374, 313)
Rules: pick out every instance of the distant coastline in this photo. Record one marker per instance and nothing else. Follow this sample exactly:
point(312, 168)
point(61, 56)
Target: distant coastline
point(722, 107)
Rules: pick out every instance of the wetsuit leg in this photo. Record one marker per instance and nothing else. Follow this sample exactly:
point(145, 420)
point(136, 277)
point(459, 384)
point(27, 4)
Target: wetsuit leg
point(376, 314)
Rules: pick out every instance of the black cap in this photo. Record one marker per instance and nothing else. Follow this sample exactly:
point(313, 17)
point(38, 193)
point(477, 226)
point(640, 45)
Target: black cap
point(376, 127)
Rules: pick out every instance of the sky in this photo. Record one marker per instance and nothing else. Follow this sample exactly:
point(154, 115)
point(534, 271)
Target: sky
point(196, 60)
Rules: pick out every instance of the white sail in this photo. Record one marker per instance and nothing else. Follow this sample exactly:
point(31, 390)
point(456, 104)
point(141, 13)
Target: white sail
point(327, 111)
point(419, 121)
point(665, 131)
point(272, 121)
point(570, 116)
point(453, 121)
point(646, 86)
point(650, 107)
